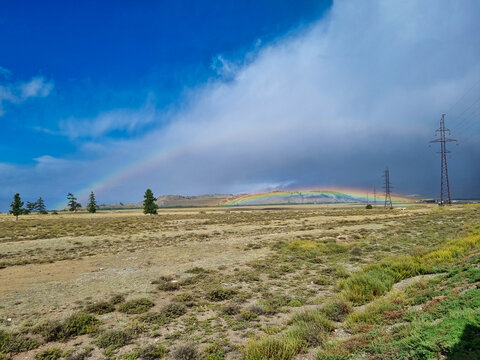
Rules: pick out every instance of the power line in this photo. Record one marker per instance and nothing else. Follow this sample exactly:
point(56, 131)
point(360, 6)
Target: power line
point(465, 94)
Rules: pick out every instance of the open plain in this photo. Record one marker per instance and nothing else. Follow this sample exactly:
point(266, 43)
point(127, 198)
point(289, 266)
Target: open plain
point(286, 282)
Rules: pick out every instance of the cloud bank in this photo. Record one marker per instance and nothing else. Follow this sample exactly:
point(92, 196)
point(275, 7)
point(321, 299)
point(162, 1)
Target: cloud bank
point(329, 104)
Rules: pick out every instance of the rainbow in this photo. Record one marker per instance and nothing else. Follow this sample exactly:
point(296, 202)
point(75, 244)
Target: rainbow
point(311, 196)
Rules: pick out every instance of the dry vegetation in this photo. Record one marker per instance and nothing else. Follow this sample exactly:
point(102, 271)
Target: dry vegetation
point(238, 283)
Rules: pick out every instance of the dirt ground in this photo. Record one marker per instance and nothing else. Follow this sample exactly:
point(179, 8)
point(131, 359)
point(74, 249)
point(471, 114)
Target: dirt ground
point(53, 266)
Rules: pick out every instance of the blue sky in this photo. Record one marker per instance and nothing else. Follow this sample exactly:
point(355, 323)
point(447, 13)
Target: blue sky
point(194, 97)
point(106, 55)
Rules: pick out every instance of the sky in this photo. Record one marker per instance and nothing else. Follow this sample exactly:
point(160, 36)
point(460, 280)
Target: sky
point(196, 97)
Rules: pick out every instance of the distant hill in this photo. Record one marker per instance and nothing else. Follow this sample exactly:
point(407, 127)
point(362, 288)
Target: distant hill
point(173, 201)
point(268, 198)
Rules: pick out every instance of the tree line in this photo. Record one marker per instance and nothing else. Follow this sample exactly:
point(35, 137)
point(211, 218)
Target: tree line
point(16, 207)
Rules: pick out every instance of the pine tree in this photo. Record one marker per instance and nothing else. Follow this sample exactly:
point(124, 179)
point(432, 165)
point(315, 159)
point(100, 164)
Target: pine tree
point(92, 204)
point(73, 205)
point(31, 206)
point(149, 205)
point(40, 206)
point(17, 206)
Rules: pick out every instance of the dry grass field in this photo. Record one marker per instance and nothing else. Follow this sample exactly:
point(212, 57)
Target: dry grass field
point(291, 282)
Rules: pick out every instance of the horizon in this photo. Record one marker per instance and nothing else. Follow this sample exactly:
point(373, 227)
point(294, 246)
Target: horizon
point(235, 98)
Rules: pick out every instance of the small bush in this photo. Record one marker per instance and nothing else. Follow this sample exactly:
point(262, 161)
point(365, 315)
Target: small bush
point(197, 270)
point(151, 352)
point(117, 299)
point(165, 315)
point(173, 310)
point(49, 354)
point(186, 352)
point(214, 351)
point(113, 339)
point(78, 324)
point(15, 343)
point(273, 348)
point(364, 286)
point(80, 354)
point(336, 309)
point(136, 306)
point(167, 283)
point(100, 308)
point(256, 309)
point(221, 294)
point(231, 309)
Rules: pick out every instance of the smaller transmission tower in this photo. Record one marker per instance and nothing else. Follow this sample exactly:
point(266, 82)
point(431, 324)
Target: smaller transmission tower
point(445, 184)
point(374, 196)
point(388, 188)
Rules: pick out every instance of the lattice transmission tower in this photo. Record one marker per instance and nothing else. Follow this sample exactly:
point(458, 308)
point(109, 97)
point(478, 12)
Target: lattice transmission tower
point(445, 184)
point(388, 188)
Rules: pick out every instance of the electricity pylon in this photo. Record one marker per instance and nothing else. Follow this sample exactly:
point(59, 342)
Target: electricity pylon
point(388, 187)
point(445, 184)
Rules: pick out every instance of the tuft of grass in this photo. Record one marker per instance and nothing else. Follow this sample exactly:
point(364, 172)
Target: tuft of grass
point(50, 354)
point(113, 339)
point(165, 315)
point(100, 308)
point(336, 309)
point(77, 324)
point(186, 352)
point(150, 352)
point(136, 306)
point(15, 343)
point(221, 294)
point(273, 348)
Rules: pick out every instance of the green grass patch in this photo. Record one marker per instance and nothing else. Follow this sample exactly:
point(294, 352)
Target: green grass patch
point(376, 280)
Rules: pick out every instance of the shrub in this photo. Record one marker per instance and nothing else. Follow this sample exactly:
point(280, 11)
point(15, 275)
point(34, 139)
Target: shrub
point(117, 299)
point(100, 308)
point(49, 354)
point(78, 324)
point(308, 333)
point(221, 294)
point(15, 343)
point(336, 309)
point(136, 306)
point(366, 285)
point(166, 314)
point(173, 310)
point(113, 339)
point(197, 270)
point(214, 351)
point(272, 348)
point(80, 354)
point(151, 352)
point(231, 309)
point(186, 352)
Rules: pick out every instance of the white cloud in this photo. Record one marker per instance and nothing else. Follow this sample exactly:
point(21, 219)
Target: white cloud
point(18, 92)
point(127, 120)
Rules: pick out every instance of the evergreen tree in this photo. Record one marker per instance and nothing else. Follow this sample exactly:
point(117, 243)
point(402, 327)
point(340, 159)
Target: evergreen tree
point(92, 204)
point(40, 206)
point(31, 206)
point(73, 205)
point(149, 205)
point(17, 206)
